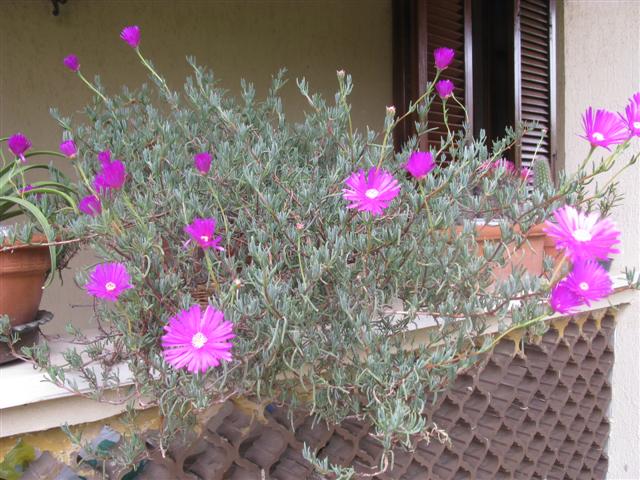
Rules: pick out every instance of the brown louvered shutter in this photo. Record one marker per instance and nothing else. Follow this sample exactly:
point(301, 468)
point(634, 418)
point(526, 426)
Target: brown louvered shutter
point(535, 76)
point(446, 28)
point(419, 28)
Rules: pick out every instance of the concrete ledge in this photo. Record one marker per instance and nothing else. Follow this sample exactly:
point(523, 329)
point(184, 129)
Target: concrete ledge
point(30, 403)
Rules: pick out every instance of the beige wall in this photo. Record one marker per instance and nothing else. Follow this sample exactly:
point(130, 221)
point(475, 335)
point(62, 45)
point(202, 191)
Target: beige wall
point(601, 57)
point(599, 65)
point(236, 38)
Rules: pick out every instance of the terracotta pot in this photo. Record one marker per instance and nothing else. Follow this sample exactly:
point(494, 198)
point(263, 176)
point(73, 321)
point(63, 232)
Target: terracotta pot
point(550, 250)
point(530, 256)
point(22, 274)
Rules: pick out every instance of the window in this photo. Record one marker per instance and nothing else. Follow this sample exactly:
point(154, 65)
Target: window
point(504, 70)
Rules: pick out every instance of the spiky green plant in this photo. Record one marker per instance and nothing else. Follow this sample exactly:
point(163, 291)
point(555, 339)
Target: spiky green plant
point(542, 178)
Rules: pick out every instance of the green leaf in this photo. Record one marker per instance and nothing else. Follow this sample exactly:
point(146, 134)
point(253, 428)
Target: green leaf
point(104, 446)
point(133, 473)
point(14, 463)
point(15, 169)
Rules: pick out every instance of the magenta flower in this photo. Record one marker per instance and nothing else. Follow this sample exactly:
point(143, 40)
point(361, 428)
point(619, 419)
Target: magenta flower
point(372, 192)
point(18, 144)
point(27, 188)
point(589, 281)
point(202, 231)
point(508, 166)
point(197, 340)
point(420, 164)
point(583, 236)
point(131, 35)
point(72, 63)
point(108, 280)
point(443, 57)
point(604, 129)
point(563, 300)
point(90, 205)
point(633, 115)
point(445, 88)
point(68, 149)
point(202, 161)
point(112, 175)
point(526, 174)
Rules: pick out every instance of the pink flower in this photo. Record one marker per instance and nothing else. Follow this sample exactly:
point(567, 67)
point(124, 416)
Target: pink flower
point(131, 35)
point(420, 164)
point(372, 192)
point(526, 174)
point(589, 281)
point(604, 129)
point(508, 166)
point(68, 149)
point(202, 231)
point(108, 280)
point(72, 63)
point(443, 57)
point(445, 88)
point(18, 144)
point(90, 205)
point(633, 115)
point(563, 300)
point(112, 175)
point(197, 340)
point(202, 161)
point(583, 236)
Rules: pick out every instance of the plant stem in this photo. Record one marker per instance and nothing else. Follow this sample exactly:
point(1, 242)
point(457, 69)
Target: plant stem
point(411, 109)
point(90, 85)
point(426, 204)
point(153, 72)
point(510, 330)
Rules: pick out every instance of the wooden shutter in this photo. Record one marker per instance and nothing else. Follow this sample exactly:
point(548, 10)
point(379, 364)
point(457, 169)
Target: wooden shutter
point(421, 26)
point(535, 76)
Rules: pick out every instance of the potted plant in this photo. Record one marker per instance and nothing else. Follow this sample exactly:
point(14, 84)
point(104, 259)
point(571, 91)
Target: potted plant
point(28, 251)
point(316, 246)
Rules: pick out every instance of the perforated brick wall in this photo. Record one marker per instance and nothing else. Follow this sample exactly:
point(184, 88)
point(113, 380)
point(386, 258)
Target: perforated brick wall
point(535, 413)
point(538, 413)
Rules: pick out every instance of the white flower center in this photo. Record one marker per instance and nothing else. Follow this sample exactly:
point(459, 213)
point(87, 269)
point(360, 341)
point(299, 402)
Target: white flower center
point(598, 136)
point(198, 340)
point(110, 286)
point(584, 286)
point(582, 235)
point(372, 193)
point(204, 238)
point(636, 125)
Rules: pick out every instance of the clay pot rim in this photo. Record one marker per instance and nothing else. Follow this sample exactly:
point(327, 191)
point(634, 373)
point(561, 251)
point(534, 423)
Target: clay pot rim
point(37, 241)
point(493, 232)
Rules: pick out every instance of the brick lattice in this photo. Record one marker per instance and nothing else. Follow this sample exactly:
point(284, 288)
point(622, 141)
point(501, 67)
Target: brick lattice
point(538, 412)
point(535, 413)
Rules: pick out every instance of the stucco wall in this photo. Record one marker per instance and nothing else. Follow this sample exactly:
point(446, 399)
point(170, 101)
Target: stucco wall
point(601, 67)
point(236, 38)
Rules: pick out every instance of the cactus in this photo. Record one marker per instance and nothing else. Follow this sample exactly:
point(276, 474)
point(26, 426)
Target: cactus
point(542, 179)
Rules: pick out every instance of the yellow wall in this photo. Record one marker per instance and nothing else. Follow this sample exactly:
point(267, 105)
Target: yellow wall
point(236, 38)
point(600, 66)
